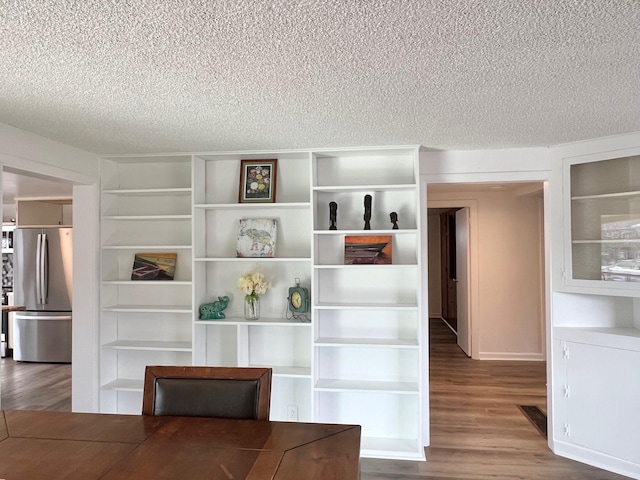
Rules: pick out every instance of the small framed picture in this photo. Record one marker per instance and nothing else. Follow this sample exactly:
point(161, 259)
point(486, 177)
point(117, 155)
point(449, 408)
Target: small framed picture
point(258, 181)
point(367, 249)
point(154, 266)
point(257, 237)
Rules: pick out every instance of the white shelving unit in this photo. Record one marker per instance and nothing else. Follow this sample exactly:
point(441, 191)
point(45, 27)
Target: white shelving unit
point(146, 207)
point(369, 325)
point(360, 356)
point(272, 341)
point(596, 313)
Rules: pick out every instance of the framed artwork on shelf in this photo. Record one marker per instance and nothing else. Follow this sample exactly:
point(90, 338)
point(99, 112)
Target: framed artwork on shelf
point(154, 266)
point(257, 237)
point(258, 181)
point(367, 250)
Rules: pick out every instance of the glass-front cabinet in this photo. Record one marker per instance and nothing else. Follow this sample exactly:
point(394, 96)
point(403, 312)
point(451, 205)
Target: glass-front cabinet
point(595, 313)
point(604, 197)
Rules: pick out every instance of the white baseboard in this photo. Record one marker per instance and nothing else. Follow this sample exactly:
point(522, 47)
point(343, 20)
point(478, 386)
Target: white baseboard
point(597, 459)
point(516, 356)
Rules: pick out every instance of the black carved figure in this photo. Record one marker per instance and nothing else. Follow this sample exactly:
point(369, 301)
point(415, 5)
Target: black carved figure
point(367, 212)
point(394, 220)
point(333, 215)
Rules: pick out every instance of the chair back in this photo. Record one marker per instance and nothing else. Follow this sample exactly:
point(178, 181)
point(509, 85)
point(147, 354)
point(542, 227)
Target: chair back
point(224, 392)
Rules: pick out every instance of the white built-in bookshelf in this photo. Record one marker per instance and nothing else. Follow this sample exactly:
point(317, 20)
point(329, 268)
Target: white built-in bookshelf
point(359, 355)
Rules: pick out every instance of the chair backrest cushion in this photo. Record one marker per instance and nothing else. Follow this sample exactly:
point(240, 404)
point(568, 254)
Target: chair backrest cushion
point(206, 397)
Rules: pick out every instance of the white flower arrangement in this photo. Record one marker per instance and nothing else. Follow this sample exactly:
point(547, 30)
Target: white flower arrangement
point(253, 284)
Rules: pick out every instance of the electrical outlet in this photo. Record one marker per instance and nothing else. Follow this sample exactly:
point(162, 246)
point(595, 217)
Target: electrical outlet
point(292, 413)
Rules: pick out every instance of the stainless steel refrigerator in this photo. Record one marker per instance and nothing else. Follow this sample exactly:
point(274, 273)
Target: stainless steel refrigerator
point(42, 282)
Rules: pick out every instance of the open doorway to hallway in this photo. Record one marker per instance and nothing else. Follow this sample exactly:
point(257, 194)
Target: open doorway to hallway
point(505, 315)
point(506, 266)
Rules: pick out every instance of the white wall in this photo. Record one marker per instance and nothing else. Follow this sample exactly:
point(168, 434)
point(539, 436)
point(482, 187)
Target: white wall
point(26, 151)
point(8, 212)
point(85, 367)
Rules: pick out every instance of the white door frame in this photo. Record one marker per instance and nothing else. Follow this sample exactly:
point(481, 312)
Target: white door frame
point(462, 280)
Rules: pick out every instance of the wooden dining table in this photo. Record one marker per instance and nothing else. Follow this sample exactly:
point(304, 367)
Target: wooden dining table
point(45, 445)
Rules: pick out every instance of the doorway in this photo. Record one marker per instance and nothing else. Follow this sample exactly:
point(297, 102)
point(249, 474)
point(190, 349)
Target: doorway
point(26, 384)
point(453, 251)
point(507, 291)
point(448, 261)
point(506, 261)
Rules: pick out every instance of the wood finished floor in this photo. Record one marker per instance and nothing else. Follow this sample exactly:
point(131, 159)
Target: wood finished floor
point(35, 386)
point(477, 430)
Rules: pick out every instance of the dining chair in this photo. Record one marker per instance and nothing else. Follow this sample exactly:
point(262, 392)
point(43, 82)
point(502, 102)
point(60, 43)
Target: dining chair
point(198, 391)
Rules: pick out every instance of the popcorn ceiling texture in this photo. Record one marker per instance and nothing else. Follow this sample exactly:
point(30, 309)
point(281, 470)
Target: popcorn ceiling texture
point(136, 76)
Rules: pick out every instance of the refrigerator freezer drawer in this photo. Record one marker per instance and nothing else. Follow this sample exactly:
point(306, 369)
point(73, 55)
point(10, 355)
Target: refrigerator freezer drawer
point(44, 337)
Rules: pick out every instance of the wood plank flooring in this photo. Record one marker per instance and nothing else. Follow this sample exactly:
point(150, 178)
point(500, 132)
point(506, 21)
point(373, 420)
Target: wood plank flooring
point(477, 430)
point(35, 386)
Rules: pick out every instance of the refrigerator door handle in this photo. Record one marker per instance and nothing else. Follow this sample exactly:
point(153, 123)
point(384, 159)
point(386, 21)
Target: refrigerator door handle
point(38, 269)
point(45, 269)
point(41, 317)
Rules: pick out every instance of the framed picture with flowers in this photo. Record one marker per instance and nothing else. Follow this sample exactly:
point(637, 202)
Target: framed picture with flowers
point(258, 181)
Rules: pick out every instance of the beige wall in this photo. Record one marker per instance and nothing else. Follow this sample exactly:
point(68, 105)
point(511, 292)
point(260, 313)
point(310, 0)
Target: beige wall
point(510, 311)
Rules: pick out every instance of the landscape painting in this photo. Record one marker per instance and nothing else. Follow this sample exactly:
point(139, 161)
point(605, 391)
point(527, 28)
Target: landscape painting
point(367, 249)
point(154, 266)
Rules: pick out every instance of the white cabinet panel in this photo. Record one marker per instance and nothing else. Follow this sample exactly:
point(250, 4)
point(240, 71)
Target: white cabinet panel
point(604, 394)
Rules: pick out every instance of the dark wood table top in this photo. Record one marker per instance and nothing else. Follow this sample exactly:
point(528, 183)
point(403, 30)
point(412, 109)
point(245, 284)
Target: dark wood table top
point(13, 308)
point(43, 445)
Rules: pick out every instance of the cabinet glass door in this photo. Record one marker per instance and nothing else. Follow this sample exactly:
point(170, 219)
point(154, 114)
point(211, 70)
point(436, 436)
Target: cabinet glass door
point(605, 220)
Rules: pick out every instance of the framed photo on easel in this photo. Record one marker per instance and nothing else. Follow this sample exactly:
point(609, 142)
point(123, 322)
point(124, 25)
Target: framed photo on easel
point(258, 181)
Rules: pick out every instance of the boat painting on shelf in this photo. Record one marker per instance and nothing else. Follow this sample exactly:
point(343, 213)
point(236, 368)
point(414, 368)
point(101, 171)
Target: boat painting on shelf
point(154, 266)
point(367, 250)
point(257, 237)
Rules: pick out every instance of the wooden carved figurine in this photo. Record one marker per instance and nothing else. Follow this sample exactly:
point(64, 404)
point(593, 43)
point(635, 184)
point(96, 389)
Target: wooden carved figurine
point(367, 212)
point(333, 215)
point(394, 220)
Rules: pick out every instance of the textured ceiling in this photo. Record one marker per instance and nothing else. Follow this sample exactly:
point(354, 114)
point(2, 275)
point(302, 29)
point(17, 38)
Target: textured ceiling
point(132, 76)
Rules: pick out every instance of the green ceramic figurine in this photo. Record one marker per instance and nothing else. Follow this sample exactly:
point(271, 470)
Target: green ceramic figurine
point(214, 311)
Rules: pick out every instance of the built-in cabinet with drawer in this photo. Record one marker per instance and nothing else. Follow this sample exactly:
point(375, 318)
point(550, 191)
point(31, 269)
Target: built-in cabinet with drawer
point(146, 208)
point(596, 312)
point(358, 355)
